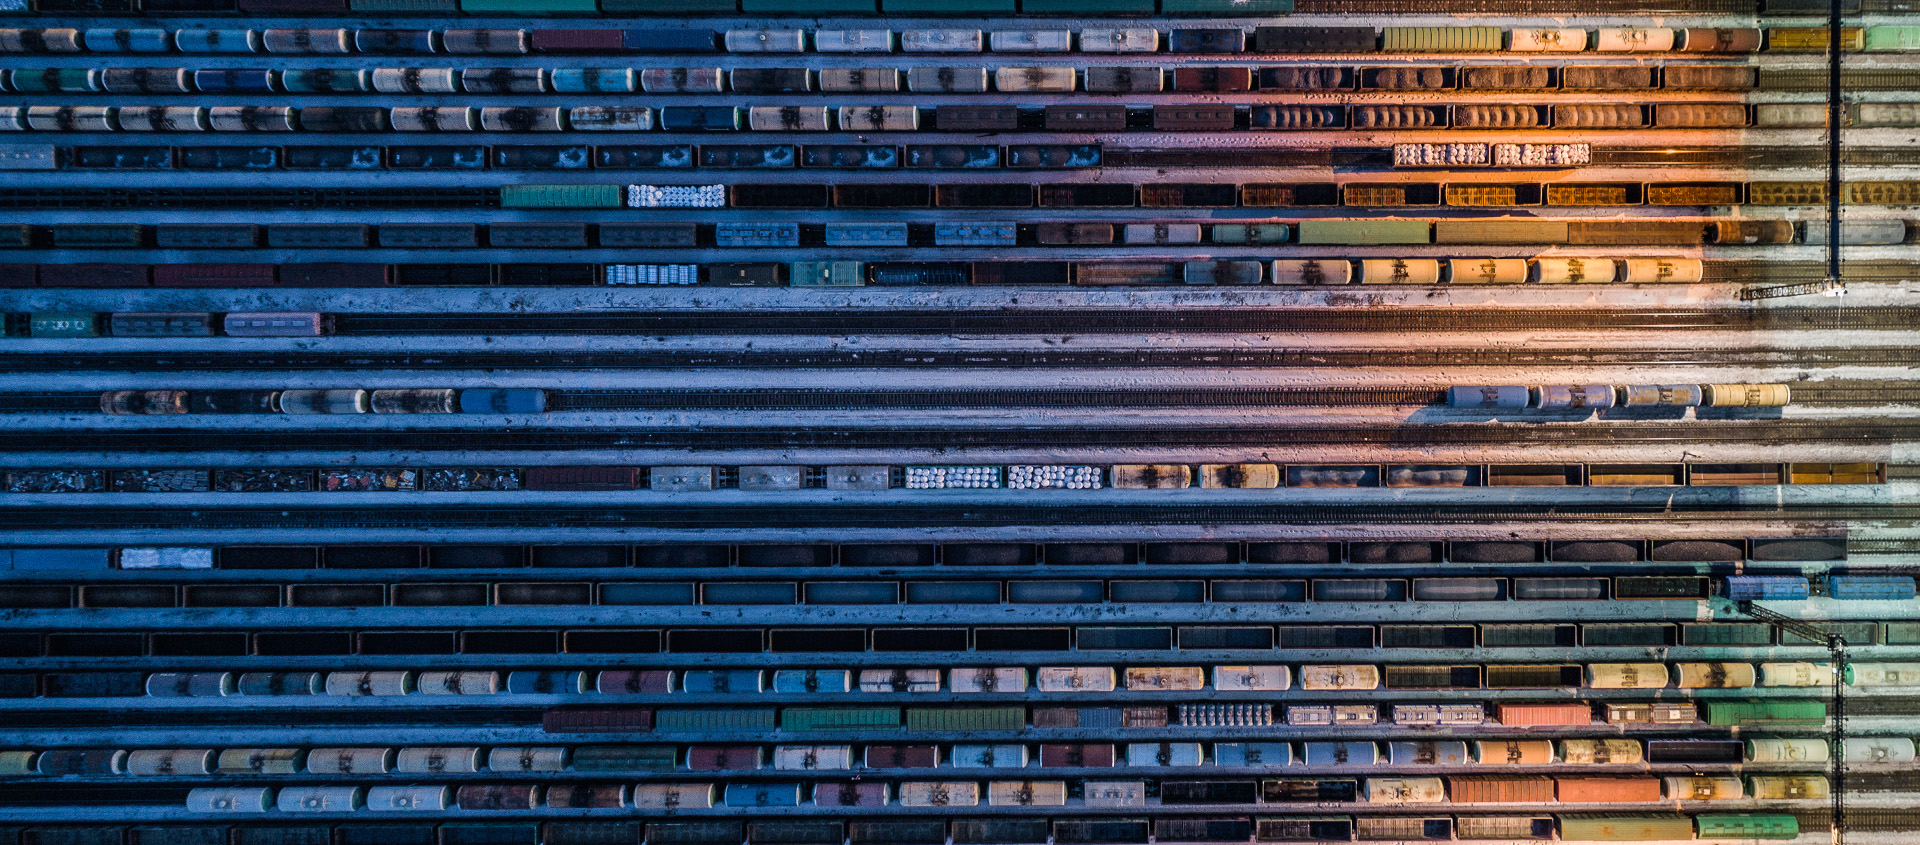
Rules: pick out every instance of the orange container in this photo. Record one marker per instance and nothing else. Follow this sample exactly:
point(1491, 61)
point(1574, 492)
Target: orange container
point(1607, 789)
point(1543, 715)
point(1528, 789)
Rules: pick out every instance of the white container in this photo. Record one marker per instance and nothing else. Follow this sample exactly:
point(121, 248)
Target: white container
point(435, 119)
point(1162, 233)
point(1075, 679)
point(610, 118)
point(1340, 677)
point(369, 683)
point(437, 759)
point(878, 118)
point(70, 118)
point(1772, 750)
point(1789, 787)
point(673, 796)
point(1627, 675)
point(1031, 41)
point(1883, 674)
point(1660, 271)
point(1546, 40)
point(983, 756)
point(1027, 793)
point(166, 557)
point(940, 794)
point(787, 118)
point(1878, 749)
point(1251, 678)
point(326, 402)
point(1111, 793)
point(527, 758)
point(1399, 271)
point(812, 757)
point(1326, 715)
point(1310, 271)
point(941, 41)
point(259, 761)
point(1166, 678)
point(349, 761)
point(409, 799)
point(1796, 674)
point(853, 40)
point(1164, 754)
point(319, 799)
point(230, 799)
point(170, 762)
point(899, 680)
point(189, 684)
point(1563, 271)
point(415, 80)
point(162, 119)
point(1031, 80)
point(766, 40)
point(1634, 39)
point(1439, 715)
point(1120, 40)
point(1405, 791)
point(458, 683)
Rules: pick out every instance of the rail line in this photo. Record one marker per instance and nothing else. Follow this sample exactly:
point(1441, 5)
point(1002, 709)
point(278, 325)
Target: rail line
point(255, 361)
point(1862, 394)
point(1850, 433)
point(1102, 320)
point(920, 517)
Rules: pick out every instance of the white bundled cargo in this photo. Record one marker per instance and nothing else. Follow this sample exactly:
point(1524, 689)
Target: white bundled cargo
point(1542, 155)
point(1225, 715)
point(653, 274)
point(1439, 155)
point(952, 478)
point(676, 196)
point(1054, 477)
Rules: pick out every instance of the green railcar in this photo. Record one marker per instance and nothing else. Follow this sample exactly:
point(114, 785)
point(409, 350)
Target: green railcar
point(63, 324)
point(1442, 39)
point(625, 758)
point(827, 274)
point(529, 7)
point(839, 718)
point(1892, 39)
point(16, 236)
point(406, 7)
point(1903, 633)
point(713, 719)
point(561, 196)
point(966, 718)
point(1087, 8)
point(1226, 8)
point(1624, 828)
point(41, 80)
point(1732, 713)
point(1250, 233)
point(1748, 826)
point(1352, 232)
point(654, 7)
point(1726, 633)
point(948, 7)
point(111, 236)
point(808, 7)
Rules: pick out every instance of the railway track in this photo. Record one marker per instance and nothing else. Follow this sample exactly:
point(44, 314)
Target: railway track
point(920, 517)
point(1850, 395)
point(1111, 321)
point(253, 361)
point(1464, 435)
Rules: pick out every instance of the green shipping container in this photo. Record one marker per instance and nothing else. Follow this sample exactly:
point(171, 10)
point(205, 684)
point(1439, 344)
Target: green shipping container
point(712, 719)
point(1226, 7)
point(99, 237)
point(1897, 39)
point(1442, 39)
point(1087, 8)
point(1856, 633)
point(561, 196)
point(63, 324)
point(529, 7)
point(1343, 232)
point(1730, 713)
point(36, 80)
point(405, 6)
point(654, 7)
point(16, 236)
point(1903, 633)
point(1726, 633)
point(1772, 826)
point(624, 758)
point(966, 718)
point(828, 274)
point(1624, 828)
point(839, 718)
point(948, 7)
point(809, 7)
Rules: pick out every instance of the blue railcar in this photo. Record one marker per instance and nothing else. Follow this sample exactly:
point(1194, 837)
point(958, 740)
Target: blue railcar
point(699, 118)
point(233, 80)
point(1488, 396)
point(1341, 754)
point(503, 400)
point(1870, 587)
point(1767, 587)
point(670, 41)
point(393, 41)
point(763, 795)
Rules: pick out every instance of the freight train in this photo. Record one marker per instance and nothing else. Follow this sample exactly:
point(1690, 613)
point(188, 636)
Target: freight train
point(1599, 396)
